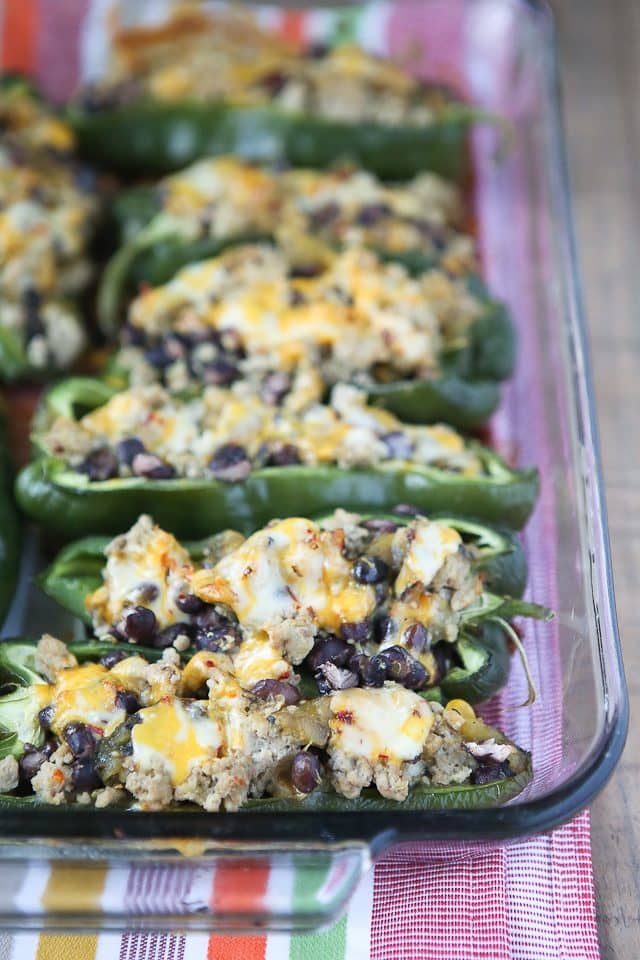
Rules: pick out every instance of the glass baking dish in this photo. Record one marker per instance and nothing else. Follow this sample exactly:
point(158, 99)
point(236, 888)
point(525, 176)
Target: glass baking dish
point(501, 54)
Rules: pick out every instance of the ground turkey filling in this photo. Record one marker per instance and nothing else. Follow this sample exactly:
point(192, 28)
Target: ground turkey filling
point(309, 212)
point(226, 433)
point(230, 58)
point(251, 312)
point(126, 731)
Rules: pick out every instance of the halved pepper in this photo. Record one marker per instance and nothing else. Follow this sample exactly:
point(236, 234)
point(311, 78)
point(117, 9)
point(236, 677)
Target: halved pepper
point(67, 502)
point(149, 137)
point(76, 571)
point(20, 725)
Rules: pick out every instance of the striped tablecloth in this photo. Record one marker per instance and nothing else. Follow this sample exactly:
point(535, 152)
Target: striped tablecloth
point(532, 900)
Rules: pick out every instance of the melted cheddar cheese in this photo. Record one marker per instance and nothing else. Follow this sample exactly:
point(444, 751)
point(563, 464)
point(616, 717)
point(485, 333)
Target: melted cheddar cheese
point(146, 566)
point(84, 694)
point(390, 724)
point(176, 735)
point(288, 568)
point(429, 548)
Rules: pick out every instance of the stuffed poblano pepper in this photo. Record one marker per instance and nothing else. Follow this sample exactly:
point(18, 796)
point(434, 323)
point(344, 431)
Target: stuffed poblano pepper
point(222, 201)
point(342, 637)
point(47, 215)
point(428, 348)
point(240, 90)
point(149, 732)
point(225, 457)
point(87, 577)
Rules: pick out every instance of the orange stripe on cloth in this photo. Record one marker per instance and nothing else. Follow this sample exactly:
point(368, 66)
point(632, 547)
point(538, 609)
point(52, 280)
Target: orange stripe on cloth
point(19, 32)
point(238, 888)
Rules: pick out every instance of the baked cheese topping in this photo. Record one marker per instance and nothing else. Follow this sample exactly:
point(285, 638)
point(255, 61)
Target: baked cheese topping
point(148, 567)
point(177, 735)
point(287, 568)
point(345, 84)
point(85, 694)
point(188, 434)
point(430, 546)
point(357, 313)
point(388, 725)
point(305, 210)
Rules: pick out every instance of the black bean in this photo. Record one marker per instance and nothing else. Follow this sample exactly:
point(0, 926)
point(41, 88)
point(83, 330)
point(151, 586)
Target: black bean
point(273, 82)
point(488, 770)
point(406, 510)
point(374, 673)
point(80, 739)
point(101, 464)
point(338, 678)
point(140, 624)
point(216, 638)
point(167, 637)
point(297, 298)
point(127, 701)
point(370, 570)
point(382, 628)
point(129, 448)
point(132, 335)
point(358, 631)
point(398, 445)
point(219, 373)
point(158, 357)
point(306, 771)
point(323, 216)
point(84, 776)
point(306, 270)
point(329, 650)
point(209, 618)
point(372, 213)
point(32, 759)
point(417, 637)
point(444, 657)
point(114, 656)
point(379, 525)
point(264, 689)
point(152, 467)
point(189, 603)
point(275, 387)
point(33, 322)
point(284, 455)
point(230, 463)
point(402, 668)
point(46, 716)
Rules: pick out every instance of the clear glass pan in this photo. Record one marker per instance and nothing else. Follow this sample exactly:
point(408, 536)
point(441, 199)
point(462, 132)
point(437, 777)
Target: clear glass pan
point(501, 52)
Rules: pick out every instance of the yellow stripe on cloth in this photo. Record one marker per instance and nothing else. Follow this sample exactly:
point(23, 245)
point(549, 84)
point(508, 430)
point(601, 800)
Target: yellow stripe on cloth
point(71, 890)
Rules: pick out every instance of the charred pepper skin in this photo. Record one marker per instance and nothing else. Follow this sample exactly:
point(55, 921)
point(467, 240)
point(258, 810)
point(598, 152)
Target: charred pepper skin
point(150, 138)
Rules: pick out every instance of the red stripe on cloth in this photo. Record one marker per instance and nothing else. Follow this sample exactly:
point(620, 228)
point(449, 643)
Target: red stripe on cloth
point(19, 30)
point(238, 888)
point(292, 27)
point(532, 900)
point(457, 912)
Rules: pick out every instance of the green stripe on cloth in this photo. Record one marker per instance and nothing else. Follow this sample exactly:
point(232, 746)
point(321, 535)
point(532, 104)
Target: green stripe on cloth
point(330, 944)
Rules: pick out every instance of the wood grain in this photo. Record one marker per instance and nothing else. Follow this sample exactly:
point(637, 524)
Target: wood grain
point(600, 68)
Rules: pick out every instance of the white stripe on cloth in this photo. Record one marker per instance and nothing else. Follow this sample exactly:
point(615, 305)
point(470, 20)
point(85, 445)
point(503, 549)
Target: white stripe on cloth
point(359, 920)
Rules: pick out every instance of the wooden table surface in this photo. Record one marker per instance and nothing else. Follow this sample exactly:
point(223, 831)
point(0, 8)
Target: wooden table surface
point(600, 67)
